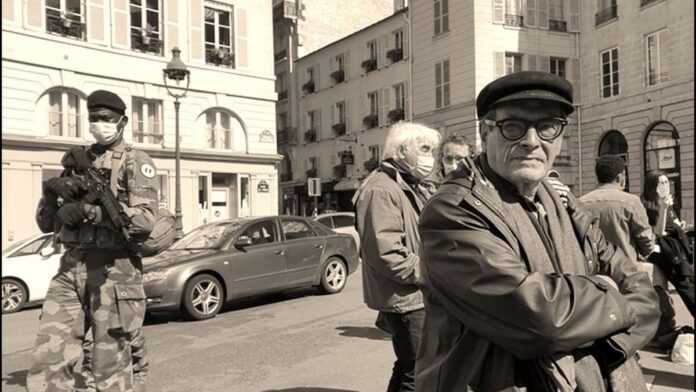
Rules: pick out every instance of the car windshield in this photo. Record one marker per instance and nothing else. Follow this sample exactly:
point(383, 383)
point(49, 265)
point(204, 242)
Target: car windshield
point(207, 237)
point(12, 247)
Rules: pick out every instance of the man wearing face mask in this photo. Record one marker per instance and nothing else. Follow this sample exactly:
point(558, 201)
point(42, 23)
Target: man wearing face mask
point(98, 288)
point(387, 207)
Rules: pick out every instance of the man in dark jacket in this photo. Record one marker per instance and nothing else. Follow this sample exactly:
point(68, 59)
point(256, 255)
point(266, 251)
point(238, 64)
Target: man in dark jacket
point(387, 206)
point(521, 292)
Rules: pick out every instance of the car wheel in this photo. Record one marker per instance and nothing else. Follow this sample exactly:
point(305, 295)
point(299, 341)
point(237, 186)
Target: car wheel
point(203, 297)
point(14, 295)
point(333, 276)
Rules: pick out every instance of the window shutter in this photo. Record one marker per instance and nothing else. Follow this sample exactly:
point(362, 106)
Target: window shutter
point(34, 15)
point(531, 62)
point(171, 25)
point(498, 11)
point(9, 8)
point(241, 55)
point(543, 13)
point(543, 63)
point(530, 16)
point(96, 21)
point(120, 37)
point(573, 15)
point(499, 64)
point(196, 30)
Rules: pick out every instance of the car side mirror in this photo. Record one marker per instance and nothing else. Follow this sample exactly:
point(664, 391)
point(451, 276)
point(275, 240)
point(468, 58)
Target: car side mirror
point(243, 241)
point(47, 251)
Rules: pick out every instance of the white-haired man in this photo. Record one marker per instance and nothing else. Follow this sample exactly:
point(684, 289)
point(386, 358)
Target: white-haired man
point(387, 207)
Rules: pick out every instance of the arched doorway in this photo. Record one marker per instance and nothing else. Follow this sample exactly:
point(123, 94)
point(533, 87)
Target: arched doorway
point(614, 143)
point(661, 152)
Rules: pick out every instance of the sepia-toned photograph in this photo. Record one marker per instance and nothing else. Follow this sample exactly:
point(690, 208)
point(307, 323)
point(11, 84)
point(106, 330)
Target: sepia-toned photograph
point(347, 195)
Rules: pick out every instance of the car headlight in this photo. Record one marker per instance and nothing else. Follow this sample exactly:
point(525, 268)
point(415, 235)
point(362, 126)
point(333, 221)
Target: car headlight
point(154, 276)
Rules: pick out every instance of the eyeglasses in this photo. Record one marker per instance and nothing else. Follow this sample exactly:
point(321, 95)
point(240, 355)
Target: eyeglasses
point(513, 129)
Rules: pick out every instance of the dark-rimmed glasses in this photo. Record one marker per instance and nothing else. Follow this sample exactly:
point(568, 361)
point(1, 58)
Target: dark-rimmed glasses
point(513, 129)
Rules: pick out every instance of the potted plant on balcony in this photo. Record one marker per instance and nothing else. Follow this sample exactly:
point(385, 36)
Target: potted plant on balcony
point(310, 136)
point(396, 115)
point(308, 87)
point(339, 129)
point(395, 54)
point(371, 120)
point(338, 76)
point(369, 65)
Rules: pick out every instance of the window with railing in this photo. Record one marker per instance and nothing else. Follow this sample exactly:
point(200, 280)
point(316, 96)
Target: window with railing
point(145, 26)
point(65, 17)
point(309, 86)
point(147, 121)
point(219, 129)
point(655, 71)
point(606, 11)
point(370, 64)
point(557, 20)
point(374, 157)
point(219, 35)
point(339, 65)
point(371, 120)
point(513, 13)
point(339, 125)
point(64, 113)
point(397, 53)
point(398, 113)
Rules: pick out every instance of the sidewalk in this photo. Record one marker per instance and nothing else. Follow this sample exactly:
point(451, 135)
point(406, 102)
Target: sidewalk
point(661, 374)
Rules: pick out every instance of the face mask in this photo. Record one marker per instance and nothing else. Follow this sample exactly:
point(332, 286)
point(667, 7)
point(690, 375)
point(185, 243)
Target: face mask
point(424, 166)
point(105, 133)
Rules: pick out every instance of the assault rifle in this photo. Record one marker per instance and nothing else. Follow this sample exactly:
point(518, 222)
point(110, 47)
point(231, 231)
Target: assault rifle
point(97, 187)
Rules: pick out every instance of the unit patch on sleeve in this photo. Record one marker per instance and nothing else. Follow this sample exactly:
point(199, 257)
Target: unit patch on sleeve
point(147, 170)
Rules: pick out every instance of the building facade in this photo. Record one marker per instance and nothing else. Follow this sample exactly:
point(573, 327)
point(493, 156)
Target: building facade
point(307, 41)
point(637, 91)
point(55, 54)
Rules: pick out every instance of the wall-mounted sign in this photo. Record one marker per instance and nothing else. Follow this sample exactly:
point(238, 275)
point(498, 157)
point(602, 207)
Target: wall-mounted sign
point(263, 187)
point(266, 136)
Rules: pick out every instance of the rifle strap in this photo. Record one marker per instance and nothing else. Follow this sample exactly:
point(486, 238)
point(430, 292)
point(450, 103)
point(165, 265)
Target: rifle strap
point(118, 157)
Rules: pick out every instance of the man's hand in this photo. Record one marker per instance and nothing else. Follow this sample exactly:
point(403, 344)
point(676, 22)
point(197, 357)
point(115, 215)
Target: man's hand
point(66, 187)
point(561, 188)
point(72, 213)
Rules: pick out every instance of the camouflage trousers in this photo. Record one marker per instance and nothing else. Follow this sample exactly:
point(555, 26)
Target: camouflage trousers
point(100, 292)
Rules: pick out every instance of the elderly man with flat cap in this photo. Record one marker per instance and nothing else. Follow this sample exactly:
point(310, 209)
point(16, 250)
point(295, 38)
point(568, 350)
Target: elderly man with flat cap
point(98, 288)
point(522, 292)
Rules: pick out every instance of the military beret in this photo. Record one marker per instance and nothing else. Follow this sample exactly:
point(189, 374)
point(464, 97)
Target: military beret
point(106, 99)
point(525, 85)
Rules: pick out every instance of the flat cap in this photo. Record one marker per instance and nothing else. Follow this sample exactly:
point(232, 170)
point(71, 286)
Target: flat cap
point(106, 99)
point(525, 85)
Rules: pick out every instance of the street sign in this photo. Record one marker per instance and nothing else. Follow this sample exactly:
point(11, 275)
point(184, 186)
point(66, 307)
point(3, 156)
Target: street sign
point(314, 186)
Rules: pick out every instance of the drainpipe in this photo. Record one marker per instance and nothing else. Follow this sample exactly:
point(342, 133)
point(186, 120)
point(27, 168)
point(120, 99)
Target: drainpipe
point(408, 16)
point(578, 107)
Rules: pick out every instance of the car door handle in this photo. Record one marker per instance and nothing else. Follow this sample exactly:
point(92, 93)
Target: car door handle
point(320, 246)
point(280, 252)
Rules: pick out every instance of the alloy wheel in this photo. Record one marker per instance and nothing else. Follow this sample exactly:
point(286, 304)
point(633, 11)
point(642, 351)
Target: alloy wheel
point(205, 297)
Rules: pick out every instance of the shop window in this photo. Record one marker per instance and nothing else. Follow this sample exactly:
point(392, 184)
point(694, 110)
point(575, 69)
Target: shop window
point(661, 152)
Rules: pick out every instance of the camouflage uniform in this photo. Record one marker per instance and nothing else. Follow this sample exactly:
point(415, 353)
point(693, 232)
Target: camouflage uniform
point(98, 288)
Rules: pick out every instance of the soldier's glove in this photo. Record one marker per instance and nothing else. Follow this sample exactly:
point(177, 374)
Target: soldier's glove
point(72, 213)
point(66, 187)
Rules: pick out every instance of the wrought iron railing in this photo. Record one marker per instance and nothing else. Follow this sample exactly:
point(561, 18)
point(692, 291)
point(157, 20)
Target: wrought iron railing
point(395, 55)
point(558, 25)
point(338, 76)
point(369, 65)
point(396, 115)
point(371, 120)
point(145, 42)
point(65, 26)
point(219, 56)
point(514, 20)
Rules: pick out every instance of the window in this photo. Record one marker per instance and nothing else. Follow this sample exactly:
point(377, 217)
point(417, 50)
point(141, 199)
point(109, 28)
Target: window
point(654, 72)
point(203, 197)
point(312, 163)
point(311, 85)
point(147, 121)
point(340, 113)
point(399, 40)
point(372, 49)
point(163, 192)
point(614, 143)
point(400, 96)
point(661, 152)
point(64, 114)
point(295, 229)
point(373, 100)
point(145, 25)
point(441, 16)
point(375, 152)
point(557, 66)
point(442, 84)
point(556, 11)
point(218, 36)
point(33, 247)
point(606, 11)
point(261, 233)
point(344, 221)
point(314, 120)
point(219, 128)
point(282, 85)
point(326, 221)
point(64, 17)
point(610, 73)
point(513, 13)
point(338, 64)
point(513, 63)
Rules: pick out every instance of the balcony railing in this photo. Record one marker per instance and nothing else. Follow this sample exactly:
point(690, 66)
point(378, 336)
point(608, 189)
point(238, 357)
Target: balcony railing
point(371, 164)
point(369, 65)
point(308, 87)
point(605, 15)
point(285, 177)
point(395, 55)
point(146, 42)
point(371, 120)
point(310, 136)
point(219, 56)
point(283, 95)
point(338, 76)
point(514, 20)
point(312, 172)
point(65, 26)
point(347, 157)
point(340, 170)
point(339, 129)
point(558, 25)
point(145, 137)
point(396, 115)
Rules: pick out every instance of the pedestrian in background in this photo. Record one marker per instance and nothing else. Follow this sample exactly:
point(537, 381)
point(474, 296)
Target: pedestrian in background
point(453, 151)
point(622, 217)
point(673, 257)
point(99, 282)
point(387, 207)
point(521, 292)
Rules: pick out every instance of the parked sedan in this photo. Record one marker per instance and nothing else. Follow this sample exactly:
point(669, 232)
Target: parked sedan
point(340, 222)
point(27, 268)
point(238, 258)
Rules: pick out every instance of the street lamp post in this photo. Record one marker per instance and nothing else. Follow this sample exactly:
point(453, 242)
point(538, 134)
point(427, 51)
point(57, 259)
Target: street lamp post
point(176, 70)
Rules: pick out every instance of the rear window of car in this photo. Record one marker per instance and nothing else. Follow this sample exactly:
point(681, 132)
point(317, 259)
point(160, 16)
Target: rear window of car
point(344, 220)
point(295, 229)
point(326, 221)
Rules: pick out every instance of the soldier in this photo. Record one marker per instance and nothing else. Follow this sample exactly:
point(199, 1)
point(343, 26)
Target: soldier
point(99, 283)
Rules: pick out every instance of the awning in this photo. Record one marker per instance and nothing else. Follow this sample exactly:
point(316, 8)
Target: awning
point(347, 185)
